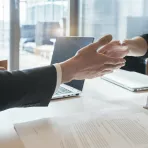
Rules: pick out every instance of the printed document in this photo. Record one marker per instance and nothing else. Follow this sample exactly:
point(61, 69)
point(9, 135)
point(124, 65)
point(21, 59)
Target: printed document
point(86, 131)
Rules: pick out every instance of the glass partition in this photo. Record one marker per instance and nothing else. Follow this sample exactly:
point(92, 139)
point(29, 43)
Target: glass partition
point(41, 22)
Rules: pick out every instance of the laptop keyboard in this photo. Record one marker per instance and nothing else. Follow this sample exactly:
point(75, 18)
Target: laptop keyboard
point(62, 90)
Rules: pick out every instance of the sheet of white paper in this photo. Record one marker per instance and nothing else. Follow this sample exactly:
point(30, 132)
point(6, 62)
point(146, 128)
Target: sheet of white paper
point(86, 131)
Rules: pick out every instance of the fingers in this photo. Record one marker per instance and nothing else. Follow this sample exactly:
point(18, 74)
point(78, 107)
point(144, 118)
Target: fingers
point(114, 47)
point(113, 67)
point(113, 61)
point(105, 72)
point(126, 42)
point(110, 67)
point(117, 53)
point(101, 42)
point(107, 69)
point(109, 46)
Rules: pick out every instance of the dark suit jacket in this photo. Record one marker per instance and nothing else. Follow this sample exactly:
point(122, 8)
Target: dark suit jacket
point(136, 63)
point(27, 88)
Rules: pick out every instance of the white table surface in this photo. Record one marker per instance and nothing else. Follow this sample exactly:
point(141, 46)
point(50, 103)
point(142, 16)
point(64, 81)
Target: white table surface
point(98, 95)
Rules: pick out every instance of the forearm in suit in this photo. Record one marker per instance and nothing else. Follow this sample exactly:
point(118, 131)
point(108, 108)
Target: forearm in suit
point(27, 87)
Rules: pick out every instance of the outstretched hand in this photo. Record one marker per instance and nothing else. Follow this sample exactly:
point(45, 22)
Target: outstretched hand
point(114, 49)
point(89, 63)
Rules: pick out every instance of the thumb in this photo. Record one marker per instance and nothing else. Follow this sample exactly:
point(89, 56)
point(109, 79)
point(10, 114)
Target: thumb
point(114, 61)
point(101, 42)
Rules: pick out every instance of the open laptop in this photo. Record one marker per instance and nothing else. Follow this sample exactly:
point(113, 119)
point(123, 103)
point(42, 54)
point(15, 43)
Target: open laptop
point(65, 48)
point(132, 81)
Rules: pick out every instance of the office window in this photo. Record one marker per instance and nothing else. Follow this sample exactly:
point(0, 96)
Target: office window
point(122, 18)
point(41, 22)
point(4, 29)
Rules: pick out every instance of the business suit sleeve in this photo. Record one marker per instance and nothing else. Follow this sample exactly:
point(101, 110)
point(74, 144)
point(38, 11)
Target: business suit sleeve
point(145, 36)
point(27, 88)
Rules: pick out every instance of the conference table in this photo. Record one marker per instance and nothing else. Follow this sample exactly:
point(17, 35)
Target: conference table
point(98, 96)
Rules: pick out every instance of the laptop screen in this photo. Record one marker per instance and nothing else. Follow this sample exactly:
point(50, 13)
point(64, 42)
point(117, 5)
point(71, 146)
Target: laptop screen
point(65, 48)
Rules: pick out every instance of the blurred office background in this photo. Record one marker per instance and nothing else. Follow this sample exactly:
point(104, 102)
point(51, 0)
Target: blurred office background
point(41, 21)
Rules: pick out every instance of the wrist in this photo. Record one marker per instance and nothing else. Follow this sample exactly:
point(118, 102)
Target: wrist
point(137, 46)
point(69, 69)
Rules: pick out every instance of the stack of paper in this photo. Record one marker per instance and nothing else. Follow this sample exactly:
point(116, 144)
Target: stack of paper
point(86, 131)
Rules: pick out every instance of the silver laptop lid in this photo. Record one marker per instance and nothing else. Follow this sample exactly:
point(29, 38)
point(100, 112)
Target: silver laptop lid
point(130, 80)
point(65, 48)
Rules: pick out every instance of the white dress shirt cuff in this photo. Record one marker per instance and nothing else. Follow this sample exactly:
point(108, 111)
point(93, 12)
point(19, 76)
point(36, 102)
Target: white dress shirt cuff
point(59, 76)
